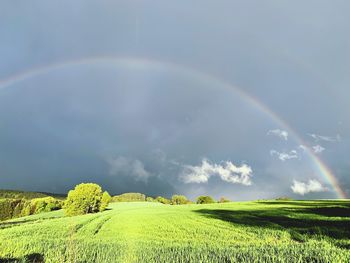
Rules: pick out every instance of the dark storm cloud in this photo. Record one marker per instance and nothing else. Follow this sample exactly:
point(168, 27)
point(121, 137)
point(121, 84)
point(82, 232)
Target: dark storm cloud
point(137, 129)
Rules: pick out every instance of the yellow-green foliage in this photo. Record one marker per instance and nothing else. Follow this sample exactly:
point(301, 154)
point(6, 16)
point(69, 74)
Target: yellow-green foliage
point(45, 204)
point(129, 197)
point(179, 200)
point(106, 198)
point(269, 231)
point(86, 198)
point(204, 199)
point(224, 200)
point(150, 199)
point(12, 208)
point(163, 200)
point(13, 194)
point(284, 198)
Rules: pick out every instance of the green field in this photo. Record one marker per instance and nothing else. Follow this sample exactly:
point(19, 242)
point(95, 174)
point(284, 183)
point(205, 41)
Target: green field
point(264, 231)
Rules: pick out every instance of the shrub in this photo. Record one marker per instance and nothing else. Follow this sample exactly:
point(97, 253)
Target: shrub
point(150, 199)
point(85, 198)
point(106, 198)
point(204, 199)
point(26, 211)
point(163, 200)
point(45, 204)
point(284, 198)
point(224, 200)
point(129, 197)
point(6, 208)
point(179, 200)
point(17, 211)
point(11, 208)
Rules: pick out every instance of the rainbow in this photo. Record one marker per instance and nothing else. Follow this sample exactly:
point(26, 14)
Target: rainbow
point(146, 63)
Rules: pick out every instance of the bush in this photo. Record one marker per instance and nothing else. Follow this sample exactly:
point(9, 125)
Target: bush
point(45, 204)
point(129, 197)
point(204, 199)
point(284, 198)
point(7, 207)
point(150, 199)
point(224, 200)
point(163, 200)
point(84, 199)
point(106, 198)
point(179, 200)
point(13, 208)
point(27, 209)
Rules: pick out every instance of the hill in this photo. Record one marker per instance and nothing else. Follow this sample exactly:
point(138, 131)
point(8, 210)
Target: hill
point(15, 194)
point(265, 231)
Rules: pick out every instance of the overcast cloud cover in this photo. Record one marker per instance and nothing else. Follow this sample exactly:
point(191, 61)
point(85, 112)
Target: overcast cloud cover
point(164, 122)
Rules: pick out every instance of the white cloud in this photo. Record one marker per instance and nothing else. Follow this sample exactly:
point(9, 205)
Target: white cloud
point(285, 156)
point(132, 167)
point(280, 133)
point(318, 138)
point(227, 171)
point(303, 147)
point(318, 148)
point(311, 186)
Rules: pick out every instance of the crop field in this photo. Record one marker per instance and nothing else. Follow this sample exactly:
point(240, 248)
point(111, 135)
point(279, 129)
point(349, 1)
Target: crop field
point(262, 231)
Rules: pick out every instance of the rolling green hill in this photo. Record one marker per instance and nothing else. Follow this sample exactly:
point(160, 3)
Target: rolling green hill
point(265, 231)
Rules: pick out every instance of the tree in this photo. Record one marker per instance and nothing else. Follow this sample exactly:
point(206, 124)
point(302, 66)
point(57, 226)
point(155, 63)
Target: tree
point(85, 198)
point(163, 200)
point(45, 204)
point(179, 200)
point(204, 199)
point(106, 198)
point(129, 197)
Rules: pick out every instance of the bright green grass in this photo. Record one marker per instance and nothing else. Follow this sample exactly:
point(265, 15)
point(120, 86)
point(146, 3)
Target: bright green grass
point(270, 231)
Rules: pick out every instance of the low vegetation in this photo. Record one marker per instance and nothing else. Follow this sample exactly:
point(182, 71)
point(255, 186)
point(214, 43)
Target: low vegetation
point(179, 200)
point(150, 199)
point(284, 198)
point(129, 197)
point(106, 198)
point(224, 200)
point(163, 200)
point(204, 199)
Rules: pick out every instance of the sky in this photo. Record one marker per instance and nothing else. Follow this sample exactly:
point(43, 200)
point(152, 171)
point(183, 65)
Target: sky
point(240, 99)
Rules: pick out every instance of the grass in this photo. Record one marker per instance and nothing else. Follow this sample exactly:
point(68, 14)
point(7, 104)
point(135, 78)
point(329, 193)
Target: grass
point(264, 231)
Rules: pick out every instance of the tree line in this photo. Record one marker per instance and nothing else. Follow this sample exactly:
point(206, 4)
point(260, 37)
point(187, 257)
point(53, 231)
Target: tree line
point(13, 208)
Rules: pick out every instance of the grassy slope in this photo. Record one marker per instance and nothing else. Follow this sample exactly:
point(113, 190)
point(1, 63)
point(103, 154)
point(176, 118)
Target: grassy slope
point(271, 231)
